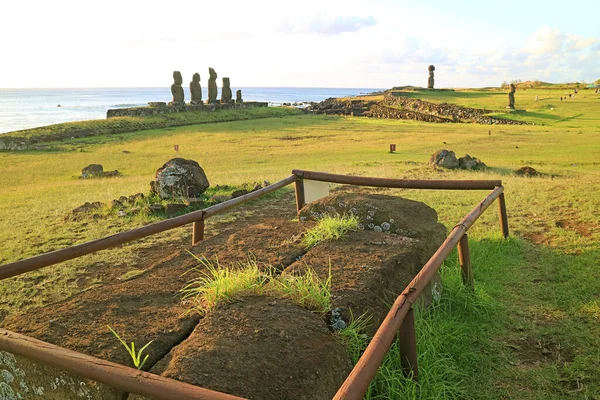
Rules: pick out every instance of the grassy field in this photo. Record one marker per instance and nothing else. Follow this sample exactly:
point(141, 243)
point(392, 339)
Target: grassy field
point(530, 331)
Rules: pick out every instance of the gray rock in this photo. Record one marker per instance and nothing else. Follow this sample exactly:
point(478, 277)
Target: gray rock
point(92, 171)
point(443, 158)
point(239, 193)
point(179, 178)
point(468, 162)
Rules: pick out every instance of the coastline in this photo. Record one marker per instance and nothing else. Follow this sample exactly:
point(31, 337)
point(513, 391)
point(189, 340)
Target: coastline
point(34, 108)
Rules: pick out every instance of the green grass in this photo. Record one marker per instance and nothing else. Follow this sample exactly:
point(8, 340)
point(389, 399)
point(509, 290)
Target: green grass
point(329, 228)
point(136, 356)
point(115, 125)
point(219, 285)
point(540, 288)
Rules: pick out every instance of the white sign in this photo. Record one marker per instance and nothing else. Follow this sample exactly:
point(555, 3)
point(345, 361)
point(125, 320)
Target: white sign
point(315, 190)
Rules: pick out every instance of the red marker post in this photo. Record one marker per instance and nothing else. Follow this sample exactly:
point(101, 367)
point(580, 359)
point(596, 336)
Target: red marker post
point(176, 147)
point(392, 148)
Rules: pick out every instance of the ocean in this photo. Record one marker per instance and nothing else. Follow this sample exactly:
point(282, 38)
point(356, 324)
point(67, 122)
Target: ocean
point(30, 108)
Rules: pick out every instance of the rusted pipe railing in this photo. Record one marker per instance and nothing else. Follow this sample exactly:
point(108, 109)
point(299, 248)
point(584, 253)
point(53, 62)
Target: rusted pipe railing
point(55, 257)
point(503, 216)
point(226, 205)
point(396, 183)
point(300, 199)
point(365, 370)
point(407, 345)
point(464, 259)
point(115, 375)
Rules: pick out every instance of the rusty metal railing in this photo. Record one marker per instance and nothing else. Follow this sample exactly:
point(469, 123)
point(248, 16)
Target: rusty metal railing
point(399, 320)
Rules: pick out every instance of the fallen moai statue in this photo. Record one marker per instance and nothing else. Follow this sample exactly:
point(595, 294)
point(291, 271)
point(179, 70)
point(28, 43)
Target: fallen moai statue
point(259, 346)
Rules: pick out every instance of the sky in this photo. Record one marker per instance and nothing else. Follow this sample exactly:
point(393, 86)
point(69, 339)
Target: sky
point(325, 43)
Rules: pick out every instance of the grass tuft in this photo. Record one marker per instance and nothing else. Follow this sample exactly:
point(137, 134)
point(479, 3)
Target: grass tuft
point(307, 290)
point(222, 285)
point(219, 285)
point(329, 228)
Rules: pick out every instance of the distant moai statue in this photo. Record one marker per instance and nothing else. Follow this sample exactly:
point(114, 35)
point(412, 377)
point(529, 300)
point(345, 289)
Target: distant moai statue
point(511, 97)
point(177, 89)
point(430, 81)
point(196, 89)
point(226, 91)
point(212, 86)
point(238, 96)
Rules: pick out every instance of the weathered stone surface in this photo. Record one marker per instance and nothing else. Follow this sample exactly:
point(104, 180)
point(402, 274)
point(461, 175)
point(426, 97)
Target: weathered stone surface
point(157, 104)
point(212, 86)
point(196, 89)
point(395, 105)
point(238, 96)
point(340, 107)
point(177, 89)
point(430, 81)
point(179, 178)
point(260, 348)
point(226, 91)
point(468, 162)
point(141, 309)
point(443, 158)
point(92, 171)
point(511, 96)
point(144, 111)
point(13, 143)
point(22, 378)
point(369, 268)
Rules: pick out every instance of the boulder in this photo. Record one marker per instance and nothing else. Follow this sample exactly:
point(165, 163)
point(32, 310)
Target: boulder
point(179, 178)
point(526, 171)
point(468, 162)
point(443, 158)
point(92, 171)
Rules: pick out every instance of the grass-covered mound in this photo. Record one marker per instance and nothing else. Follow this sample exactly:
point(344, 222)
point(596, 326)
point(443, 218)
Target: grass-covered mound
point(110, 126)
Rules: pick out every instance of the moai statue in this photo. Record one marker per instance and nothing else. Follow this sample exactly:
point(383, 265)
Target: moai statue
point(177, 90)
point(430, 81)
point(212, 86)
point(511, 97)
point(226, 91)
point(238, 97)
point(195, 89)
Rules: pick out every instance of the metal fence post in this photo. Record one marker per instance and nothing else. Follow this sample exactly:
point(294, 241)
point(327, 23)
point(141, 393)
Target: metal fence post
point(464, 258)
point(299, 194)
point(197, 231)
point(407, 343)
point(503, 216)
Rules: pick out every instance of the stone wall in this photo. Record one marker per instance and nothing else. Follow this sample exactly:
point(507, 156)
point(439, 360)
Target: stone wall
point(398, 106)
point(163, 108)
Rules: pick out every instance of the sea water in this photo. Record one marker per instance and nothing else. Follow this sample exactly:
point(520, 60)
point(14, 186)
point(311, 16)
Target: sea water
point(30, 108)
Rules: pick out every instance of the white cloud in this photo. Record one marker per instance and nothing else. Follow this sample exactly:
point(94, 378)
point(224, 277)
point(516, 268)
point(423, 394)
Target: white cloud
point(327, 25)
